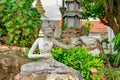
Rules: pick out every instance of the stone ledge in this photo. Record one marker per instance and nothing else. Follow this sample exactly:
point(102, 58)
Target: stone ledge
point(4, 49)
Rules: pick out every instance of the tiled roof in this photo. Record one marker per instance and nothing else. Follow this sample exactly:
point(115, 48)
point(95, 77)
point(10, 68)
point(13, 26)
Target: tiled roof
point(97, 26)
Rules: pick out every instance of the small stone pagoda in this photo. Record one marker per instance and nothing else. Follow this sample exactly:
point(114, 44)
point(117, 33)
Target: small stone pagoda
point(71, 16)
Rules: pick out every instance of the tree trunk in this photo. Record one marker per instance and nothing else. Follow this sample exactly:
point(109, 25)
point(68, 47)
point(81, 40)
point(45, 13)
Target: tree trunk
point(118, 14)
point(113, 20)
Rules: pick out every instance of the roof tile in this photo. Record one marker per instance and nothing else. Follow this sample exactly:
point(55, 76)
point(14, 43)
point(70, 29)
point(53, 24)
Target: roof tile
point(97, 26)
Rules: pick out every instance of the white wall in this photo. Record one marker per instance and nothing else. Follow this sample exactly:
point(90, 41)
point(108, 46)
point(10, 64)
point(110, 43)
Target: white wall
point(110, 38)
point(110, 34)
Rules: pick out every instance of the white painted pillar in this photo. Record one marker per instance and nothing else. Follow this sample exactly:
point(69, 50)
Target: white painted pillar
point(110, 38)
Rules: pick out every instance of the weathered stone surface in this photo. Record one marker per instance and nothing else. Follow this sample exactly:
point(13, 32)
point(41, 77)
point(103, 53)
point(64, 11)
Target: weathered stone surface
point(45, 70)
point(11, 58)
point(93, 45)
point(77, 37)
point(72, 75)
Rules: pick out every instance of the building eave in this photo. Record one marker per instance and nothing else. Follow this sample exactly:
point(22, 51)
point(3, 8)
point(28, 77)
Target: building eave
point(69, 1)
point(72, 14)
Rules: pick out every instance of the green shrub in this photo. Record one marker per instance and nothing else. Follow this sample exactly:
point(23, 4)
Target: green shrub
point(112, 74)
point(19, 20)
point(79, 59)
point(112, 59)
point(64, 26)
point(105, 40)
point(116, 41)
point(117, 60)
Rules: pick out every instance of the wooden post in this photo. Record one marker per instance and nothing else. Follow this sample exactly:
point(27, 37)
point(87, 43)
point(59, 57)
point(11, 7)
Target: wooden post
point(93, 71)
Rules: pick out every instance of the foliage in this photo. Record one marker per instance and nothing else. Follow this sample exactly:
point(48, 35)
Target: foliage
point(37, 51)
point(88, 25)
point(79, 59)
point(105, 40)
point(19, 20)
point(116, 41)
point(112, 74)
point(117, 60)
point(64, 26)
point(1, 32)
point(107, 11)
point(112, 59)
point(93, 8)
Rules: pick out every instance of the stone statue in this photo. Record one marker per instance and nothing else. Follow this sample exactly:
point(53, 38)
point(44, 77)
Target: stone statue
point(47, 68)
point(76, 36)
point(47, 63)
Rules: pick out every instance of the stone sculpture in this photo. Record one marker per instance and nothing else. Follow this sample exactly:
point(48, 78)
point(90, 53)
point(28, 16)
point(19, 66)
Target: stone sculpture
point(76, 36)
point(47, 63)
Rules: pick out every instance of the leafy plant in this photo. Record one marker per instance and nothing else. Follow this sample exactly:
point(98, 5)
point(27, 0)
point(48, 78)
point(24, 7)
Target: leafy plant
point(112, 74)
point(64, 26)
point(116, 41)
point(117, 60)
point(112, 58)
point(1, 32)
point(20, 21)
point(88, 25)
point(105, 40)
point(79, 59)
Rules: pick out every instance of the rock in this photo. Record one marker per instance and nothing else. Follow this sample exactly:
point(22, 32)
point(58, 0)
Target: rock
point(10, 62)
point(72, 75)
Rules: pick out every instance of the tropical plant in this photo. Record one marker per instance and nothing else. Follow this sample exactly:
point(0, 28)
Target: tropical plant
point(112, 74)
point(112, 58)
point(79, 59)
point(117, 60)
point(88, 25)
point(19, 20)
point(116, 41)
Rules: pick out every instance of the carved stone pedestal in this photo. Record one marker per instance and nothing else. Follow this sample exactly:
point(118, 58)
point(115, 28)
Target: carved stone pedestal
point(47, 69)
point(72, 75)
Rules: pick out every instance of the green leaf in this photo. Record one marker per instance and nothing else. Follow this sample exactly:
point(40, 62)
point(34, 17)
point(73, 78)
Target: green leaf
point(17, 32)
point(2, 6)
point(6, 17)
point(10, 30)
point(13, 1)
point(17, 16)
point(17, 26)
point(3, 1)
point(9, 23)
